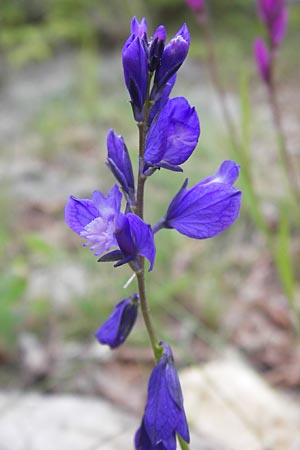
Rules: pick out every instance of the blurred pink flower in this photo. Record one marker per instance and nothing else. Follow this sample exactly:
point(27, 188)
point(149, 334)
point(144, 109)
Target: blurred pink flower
point(262, 58)
point(196, 5)
point(274, 15)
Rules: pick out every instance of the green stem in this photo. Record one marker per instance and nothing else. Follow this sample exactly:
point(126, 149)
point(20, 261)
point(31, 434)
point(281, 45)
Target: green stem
point(143, 128)
point(183, 444)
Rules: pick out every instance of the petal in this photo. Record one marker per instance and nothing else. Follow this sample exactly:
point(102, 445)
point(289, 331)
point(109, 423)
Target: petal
point(162, 413)
point(142, 441)
point(262, 58)
point(79, 212)
point(110, 204)
point(172, 58)
point(139, 28)
point(143, 237)
point(206, 210)
point(174, 135)
point(279, 28)
point(135, 238)
point(227, 173)
point(117, 327)
point(135, 68)
point(119, 161)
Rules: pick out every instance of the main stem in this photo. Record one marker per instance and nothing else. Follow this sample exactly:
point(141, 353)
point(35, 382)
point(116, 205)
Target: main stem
point(143, 126)
point(156, 347)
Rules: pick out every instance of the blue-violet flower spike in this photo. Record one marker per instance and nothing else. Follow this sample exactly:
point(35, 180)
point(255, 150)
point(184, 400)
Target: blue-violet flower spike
point(95, 219)
point(172, 58)
point(118, 161)
point(135, 238)
point(164, 413)
point(173, 136)
point(117, 327)
point(208, 208)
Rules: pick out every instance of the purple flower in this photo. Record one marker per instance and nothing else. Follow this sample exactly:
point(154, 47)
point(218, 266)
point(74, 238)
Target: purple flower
point(117, 327)
point(95, 219)
point(172, 58)
point(208, 208)
point(273, 14)
point(196, 5)
point(135, 238)
point(156, 48)
point(173, 136)
point(164, 413)
point(118, 161)
point(135, 67)
point(262, 58)
point(142, 441)
point(139, 29)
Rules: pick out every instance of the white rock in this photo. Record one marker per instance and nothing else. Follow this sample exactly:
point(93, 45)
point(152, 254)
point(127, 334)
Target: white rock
point(230, 402)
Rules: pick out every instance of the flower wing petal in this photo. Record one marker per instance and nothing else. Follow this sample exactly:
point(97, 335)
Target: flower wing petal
point(79, 213)
point(206, 210)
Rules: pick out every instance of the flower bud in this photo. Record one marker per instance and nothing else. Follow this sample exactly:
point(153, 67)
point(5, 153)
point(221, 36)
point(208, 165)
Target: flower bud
point(117, 327)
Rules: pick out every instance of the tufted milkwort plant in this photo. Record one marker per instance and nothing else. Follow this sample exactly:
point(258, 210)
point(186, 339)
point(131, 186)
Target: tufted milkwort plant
point(169, 130)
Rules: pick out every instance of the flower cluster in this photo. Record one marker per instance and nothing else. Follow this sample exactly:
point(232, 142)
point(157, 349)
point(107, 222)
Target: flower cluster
point(273, 14)
point(169, 131)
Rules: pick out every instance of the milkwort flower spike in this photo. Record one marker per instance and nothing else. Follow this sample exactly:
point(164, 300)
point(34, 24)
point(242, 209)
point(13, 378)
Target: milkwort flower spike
point(274, 15)
point(169, 130)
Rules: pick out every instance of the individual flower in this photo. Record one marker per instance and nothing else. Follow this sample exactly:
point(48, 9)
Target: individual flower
point(134, 238)
point(118, 161)
point(262, 58)
point(173, 136)
point(273, 14)
point(172, 58)
point(95, 219)
point(135, 67)
point(206, 209)
point(117, 327)
point(164, 413)
point(156, 48)
point(196, 5)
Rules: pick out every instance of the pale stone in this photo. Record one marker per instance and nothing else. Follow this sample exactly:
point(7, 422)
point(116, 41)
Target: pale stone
point(36, 422)
point(230, 402)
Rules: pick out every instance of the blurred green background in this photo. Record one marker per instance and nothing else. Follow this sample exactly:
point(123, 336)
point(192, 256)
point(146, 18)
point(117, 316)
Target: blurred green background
point(61, 89)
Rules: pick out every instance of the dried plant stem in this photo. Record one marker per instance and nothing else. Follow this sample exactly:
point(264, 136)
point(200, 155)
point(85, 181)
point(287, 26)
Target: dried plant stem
point(214, 72)
point(286, 160)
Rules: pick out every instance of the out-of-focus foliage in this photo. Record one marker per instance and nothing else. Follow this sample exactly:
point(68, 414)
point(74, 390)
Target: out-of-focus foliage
point(32, 29)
